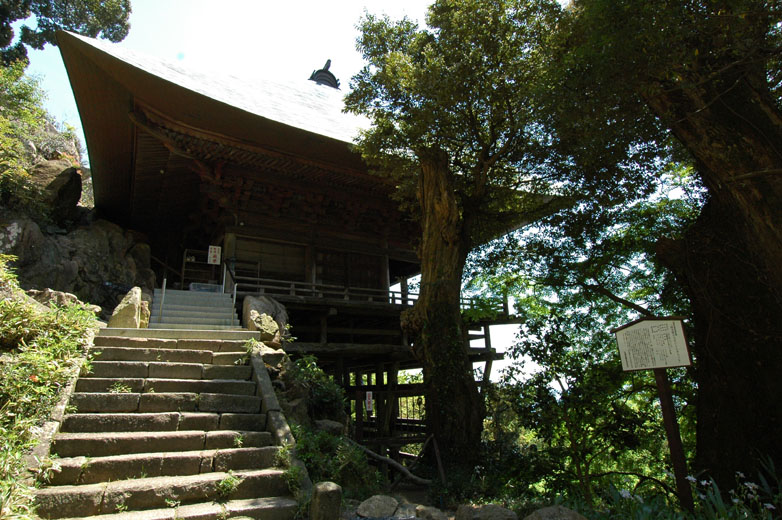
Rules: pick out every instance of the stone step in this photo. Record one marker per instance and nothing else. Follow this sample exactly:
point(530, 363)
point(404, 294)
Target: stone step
point(103, 402)
point(240, 334)
point(166, 370)
point(269, 508)
point(91, 469)
point(176, 355)
point(215, 345)
point(141, 385)
point(194, 312)
point(105, 444)
point(157, 492)
point(161, 421)
point(217, 321)
point(189, 294)
point(193, 326)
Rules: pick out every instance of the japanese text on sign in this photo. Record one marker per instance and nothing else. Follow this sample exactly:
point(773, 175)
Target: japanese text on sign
point(213, 257)
point(653, 344)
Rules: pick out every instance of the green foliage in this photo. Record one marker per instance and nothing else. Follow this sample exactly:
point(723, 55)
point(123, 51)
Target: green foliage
point(566, 420)
point(24, 126)
point(331, 458)
point(20, 116)
point(39, 350)
point(326, 397)
point(105, 18)
point(465, 87)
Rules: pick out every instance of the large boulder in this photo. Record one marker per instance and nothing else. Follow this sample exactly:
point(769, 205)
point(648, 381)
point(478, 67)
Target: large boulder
point(378, 506)
point(484, 512)
point(429, 513)
point(128, 314)
point(62, 195)
point(44, 172)
point(267, 315)
point(554, 513)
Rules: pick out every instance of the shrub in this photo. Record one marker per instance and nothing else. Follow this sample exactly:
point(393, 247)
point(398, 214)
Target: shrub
point(326, 397)
point(332, 458)
point(38, 350)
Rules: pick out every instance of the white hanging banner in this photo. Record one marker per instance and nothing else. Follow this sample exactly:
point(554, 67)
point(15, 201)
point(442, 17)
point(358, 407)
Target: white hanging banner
point(369, 402)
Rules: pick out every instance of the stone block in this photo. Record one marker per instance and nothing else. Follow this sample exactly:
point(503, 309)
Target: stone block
point(326, 501)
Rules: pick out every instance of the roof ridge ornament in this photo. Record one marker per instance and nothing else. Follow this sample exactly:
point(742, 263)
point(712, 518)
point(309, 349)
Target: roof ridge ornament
point(324, 77)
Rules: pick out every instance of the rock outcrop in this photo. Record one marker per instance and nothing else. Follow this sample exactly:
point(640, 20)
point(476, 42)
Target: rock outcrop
point(48, 297)
point(90, 261)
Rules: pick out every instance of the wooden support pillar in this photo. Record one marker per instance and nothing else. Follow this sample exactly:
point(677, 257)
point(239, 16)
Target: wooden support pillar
point(359, 396)
point(392, 408)
point(380, 412)
point(385, 275)
point(309, 265)
point(487, 366)
point(324, 329)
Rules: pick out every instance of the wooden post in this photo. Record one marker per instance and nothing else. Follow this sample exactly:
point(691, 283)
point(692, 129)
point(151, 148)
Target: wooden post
point(359, 406)
point(674, 440)
point(489, 360)
point(324, 329)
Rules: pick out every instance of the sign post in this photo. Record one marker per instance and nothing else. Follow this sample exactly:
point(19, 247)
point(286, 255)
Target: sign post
point(656, 344)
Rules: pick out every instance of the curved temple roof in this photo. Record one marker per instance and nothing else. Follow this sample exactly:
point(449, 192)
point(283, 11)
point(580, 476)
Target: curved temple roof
point(305, 105)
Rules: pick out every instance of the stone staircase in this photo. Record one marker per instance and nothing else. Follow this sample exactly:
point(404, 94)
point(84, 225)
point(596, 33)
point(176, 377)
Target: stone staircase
point(193, 310)
point(167, 424)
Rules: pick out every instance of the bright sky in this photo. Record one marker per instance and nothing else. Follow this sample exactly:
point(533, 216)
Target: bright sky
point(247, 39)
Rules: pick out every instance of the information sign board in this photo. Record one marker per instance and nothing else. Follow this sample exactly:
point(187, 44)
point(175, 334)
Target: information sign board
point(653, 343)
point(369, 402)
point(213, 256)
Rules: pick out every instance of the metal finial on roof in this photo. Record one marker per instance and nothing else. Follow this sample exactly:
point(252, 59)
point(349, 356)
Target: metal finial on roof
point(324, 77)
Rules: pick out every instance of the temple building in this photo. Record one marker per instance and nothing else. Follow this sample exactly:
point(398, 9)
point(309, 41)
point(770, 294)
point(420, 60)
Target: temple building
point(266, 172)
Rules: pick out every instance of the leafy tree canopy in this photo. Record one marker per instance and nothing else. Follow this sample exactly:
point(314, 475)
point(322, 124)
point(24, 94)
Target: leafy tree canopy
point(465, 88)
point(105, 18)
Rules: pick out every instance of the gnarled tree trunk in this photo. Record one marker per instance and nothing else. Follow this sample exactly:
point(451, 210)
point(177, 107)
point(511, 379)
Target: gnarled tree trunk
point(730, 261)
point(738, 345)
point(454, 409)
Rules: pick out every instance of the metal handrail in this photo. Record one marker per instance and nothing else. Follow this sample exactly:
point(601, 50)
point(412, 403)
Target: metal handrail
point(162, 299)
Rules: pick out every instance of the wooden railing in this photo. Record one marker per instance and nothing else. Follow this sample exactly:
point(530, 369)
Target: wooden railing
point(270, 286)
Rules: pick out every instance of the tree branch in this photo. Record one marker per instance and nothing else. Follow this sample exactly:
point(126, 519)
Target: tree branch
point(394, 464)
point(640, 476)
point(599, 289)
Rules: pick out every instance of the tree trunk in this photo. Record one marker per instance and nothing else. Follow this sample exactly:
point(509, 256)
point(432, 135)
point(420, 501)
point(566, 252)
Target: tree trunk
point(731, 263)
point(454, 409)
point(738, 342)
point(733, 128)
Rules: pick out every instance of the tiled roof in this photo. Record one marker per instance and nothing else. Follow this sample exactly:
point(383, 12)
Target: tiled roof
point(303, 104)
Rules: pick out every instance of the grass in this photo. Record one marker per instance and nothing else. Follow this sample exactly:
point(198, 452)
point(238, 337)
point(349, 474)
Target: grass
point(227, 486)
point(120, 388)
point(38, 351)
